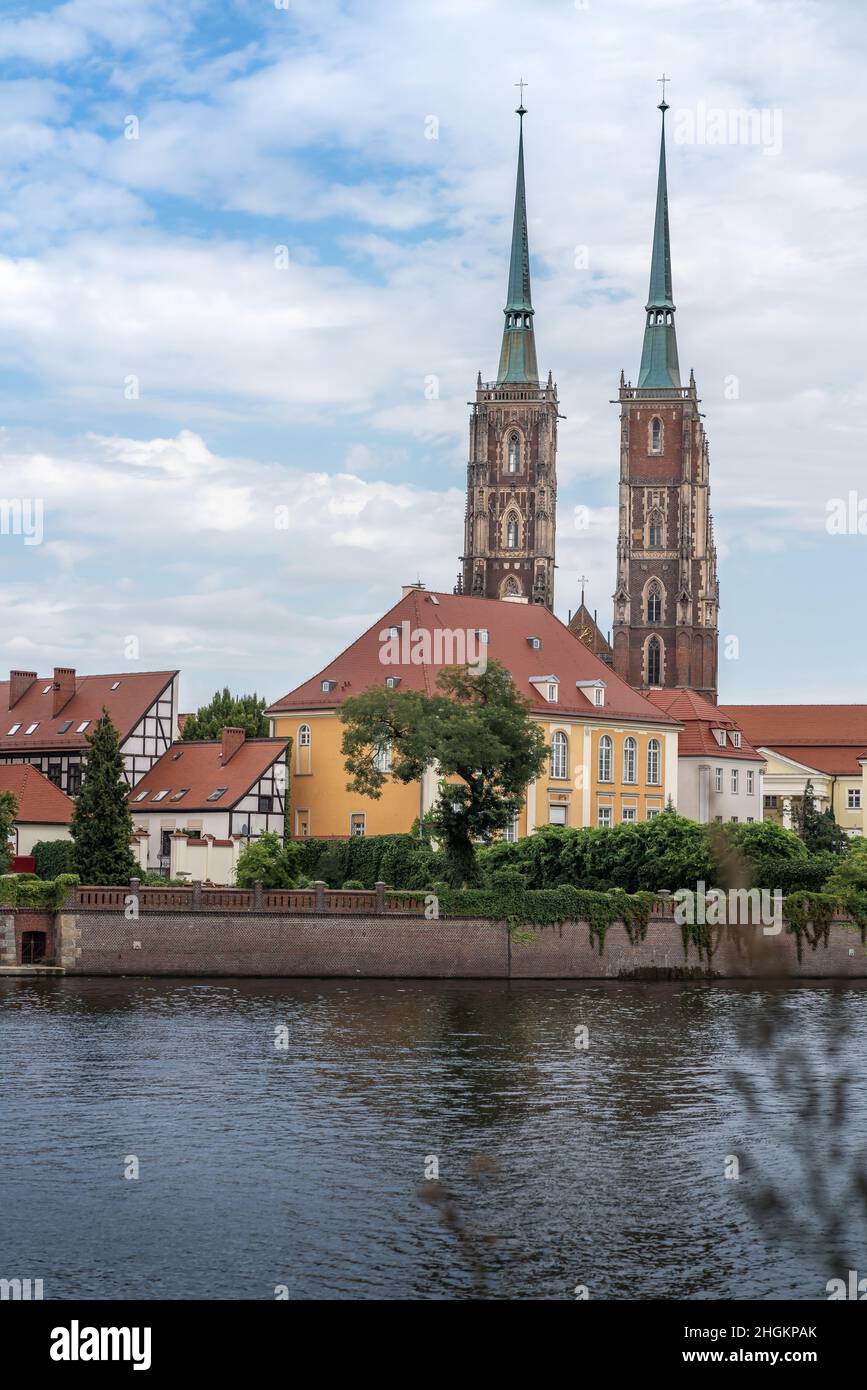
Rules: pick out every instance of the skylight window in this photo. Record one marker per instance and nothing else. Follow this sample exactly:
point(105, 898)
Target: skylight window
point(159, 796)
point(141, 796)
point(13, 730)
point(31, 728)
point(177, 755)
point(67, 724)
point(115, 686)
point(82, 726)
point(176, 796)
point(46, 688)
point(215, 795)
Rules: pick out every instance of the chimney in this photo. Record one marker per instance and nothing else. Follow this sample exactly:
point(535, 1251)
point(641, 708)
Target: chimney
point(19, 682)
point(410, 588)
point(64, 688)
point(232, 741)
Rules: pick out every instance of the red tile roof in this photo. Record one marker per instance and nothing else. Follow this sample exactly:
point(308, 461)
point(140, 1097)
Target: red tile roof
point(830, 738)
point(198, 766)
point(136, 692)
point(509, 625)
point(39, 801)
point(699, 718)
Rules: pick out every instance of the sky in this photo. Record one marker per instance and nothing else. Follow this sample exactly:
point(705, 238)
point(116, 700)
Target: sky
point(253, 256)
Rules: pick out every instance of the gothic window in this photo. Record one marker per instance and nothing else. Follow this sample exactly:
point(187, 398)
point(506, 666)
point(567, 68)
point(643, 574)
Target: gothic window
point(655, 434)
point(514, 453)
point(654, 661)
point(559, 756)
point(654, 603)
point(630, 749)
point(606, 749)
point(654, 530)
point(511, 587)
point(512, 532)
point(653, 762)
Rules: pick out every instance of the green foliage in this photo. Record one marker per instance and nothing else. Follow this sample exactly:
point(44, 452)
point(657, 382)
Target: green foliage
point(101, 821)
point(8, 812)
point(46, 895)
point(353, 883)
point(227, 711)
point(54, 857)
point(269, 861)
point(849, 874)
point(818, 829)
point(403, 861)
point(809, 916)
point(547, 907)
point(477, 729)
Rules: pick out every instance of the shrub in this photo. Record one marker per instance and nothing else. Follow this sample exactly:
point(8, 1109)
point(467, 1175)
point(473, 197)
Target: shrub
point(353, 883)
point(53, 857)
point(269, 861)
point(404, 861)
point(849, 872)
point(48, 894)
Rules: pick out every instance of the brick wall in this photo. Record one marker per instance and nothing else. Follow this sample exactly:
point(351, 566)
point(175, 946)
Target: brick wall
point(268, 943)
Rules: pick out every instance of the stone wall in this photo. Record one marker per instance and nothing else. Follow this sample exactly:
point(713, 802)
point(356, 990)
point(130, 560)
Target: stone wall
point(270, 943)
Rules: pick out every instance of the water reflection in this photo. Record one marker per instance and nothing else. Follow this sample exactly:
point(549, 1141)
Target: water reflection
point(302, 1167)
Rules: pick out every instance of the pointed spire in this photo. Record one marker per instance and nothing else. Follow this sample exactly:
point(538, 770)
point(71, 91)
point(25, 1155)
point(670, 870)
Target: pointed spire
point(518, 353)
point(659, 365)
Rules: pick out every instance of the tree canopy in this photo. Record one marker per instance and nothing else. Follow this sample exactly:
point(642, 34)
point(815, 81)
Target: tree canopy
point(226, 710)
point(476, 730)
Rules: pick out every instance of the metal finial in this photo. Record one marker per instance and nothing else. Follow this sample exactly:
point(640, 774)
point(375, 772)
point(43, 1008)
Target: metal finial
point(663, 105)
point(521, 108)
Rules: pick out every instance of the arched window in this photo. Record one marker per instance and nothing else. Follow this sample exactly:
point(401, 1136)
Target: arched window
point(630, 749)
point(382, 757)
point(514, 453)
point(512, 532)
point(654, 603)
point(653, 762)
point(654, 530)
point(656, 434)
point(654, 661)
point(303, 752)
point(559, 756)
point(511, 587)
point(606, 749)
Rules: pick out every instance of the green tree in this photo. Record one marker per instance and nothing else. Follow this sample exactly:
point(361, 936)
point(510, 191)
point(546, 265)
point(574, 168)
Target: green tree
point(477, 730)
point(818, 829)
point(8, 812)
point(265, 860)
point(227, 711)
point(101, 821)
point(849, 874)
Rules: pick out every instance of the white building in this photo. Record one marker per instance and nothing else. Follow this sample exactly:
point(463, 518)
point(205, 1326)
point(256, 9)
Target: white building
point(720, 774)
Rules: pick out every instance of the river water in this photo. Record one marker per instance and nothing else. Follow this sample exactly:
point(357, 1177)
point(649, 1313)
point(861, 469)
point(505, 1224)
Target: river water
point(282, 1131)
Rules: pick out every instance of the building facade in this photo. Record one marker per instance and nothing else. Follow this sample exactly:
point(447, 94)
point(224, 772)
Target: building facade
point(666, 602)
point(510, 521)
point(613, 755)
point(45, 721)
point(720, 774)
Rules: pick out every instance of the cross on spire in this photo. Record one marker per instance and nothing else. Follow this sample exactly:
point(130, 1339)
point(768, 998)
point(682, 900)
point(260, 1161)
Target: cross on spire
point(521, 108)
point(582, 580)
point(663, 105)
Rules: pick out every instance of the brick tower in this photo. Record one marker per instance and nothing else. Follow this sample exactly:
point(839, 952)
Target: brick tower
point(667, 596)
point(510, 522)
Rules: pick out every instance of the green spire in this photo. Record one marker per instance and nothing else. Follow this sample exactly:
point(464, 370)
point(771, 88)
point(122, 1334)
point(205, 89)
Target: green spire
point(518, 353)
point(659, 366)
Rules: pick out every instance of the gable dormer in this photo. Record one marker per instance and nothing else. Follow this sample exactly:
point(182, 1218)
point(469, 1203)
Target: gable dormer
point(548, 687)
point(594, 690)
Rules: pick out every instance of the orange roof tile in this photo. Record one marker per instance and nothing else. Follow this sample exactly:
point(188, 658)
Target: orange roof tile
point(509, 625)
point(830, 738)
point(699, 718)
point(39, 801)
point(198, 766)
point(136, 692)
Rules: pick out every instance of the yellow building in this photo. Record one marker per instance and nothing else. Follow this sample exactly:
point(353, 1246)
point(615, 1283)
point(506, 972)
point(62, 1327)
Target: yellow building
point(613, 753)
point(825, 745)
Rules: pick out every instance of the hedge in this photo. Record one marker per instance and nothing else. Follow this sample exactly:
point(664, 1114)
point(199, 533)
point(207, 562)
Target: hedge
point(50, 895)
point(54, 857)
point(404, 861)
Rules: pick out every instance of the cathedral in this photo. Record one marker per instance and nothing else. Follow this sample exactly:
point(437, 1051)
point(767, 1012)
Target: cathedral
point(665, 629)
point(512, 470)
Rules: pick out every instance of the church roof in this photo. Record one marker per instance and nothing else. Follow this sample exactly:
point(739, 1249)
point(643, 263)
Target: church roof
point(830, 738)
point(448, 619)
point(584, 626)
point(699, 718)
point(659, 364)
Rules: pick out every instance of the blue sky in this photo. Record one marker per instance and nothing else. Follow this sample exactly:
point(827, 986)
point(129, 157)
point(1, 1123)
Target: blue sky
point(153, 260)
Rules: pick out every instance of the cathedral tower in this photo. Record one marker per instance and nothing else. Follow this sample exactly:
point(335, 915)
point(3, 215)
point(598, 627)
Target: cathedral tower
point(667, 596)
point(511, 476)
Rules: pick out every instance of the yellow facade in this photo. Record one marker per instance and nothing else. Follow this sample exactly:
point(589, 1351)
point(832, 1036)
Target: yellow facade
point(571, 791)
point(785, 781)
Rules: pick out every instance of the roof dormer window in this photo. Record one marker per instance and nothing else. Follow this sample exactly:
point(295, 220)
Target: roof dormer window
point(483, 636)
point(736, 738)
point(534, 642)
point(552, 692)
point(392, 682)
point(720, 736)
point(328, 685)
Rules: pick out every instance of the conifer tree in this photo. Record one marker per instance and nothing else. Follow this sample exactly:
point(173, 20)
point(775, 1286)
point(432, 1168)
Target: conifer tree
point(225, 710)
point(101, 822)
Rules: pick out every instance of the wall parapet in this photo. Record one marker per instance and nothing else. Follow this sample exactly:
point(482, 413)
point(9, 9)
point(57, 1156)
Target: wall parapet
point(197, 897)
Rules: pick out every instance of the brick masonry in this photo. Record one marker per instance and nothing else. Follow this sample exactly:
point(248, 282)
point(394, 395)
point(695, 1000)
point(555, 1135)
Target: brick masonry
point(274, 944)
